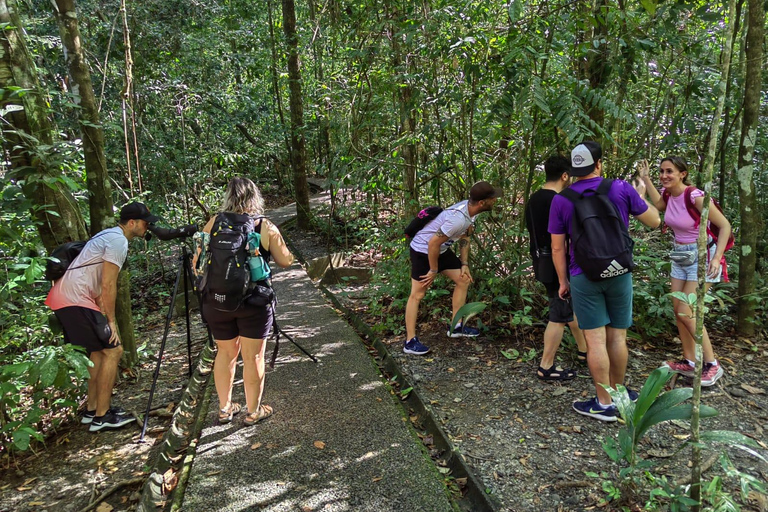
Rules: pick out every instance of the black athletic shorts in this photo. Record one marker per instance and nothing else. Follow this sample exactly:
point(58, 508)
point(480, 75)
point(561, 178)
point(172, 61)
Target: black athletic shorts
point(420, 263)
point(560, 311)
point(85, 327)
point(248, 321)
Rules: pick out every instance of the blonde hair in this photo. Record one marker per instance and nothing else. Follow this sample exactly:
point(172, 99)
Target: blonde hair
point(243, 196)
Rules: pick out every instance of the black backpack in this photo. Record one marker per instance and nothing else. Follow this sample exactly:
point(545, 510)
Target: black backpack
point(602, 246)
point(423, 218)
point(62, 257)
point(227, 274)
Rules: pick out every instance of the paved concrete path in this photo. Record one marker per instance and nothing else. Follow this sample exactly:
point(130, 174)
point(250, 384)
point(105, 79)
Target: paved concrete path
point(338, 441)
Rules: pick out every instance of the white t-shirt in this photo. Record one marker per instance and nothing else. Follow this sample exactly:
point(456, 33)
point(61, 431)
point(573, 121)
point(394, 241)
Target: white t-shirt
point(81, 286)
point(453, 222)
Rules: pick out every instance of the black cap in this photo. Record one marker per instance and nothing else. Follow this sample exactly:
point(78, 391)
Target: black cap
point(483, 190)
point(137, 211)
point(584, 157)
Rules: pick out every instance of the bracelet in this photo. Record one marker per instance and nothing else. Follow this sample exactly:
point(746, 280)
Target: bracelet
point(432, 271)
point(465, 264)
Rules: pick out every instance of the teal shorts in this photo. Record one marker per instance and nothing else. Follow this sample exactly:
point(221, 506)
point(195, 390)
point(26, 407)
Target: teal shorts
point(600, 303)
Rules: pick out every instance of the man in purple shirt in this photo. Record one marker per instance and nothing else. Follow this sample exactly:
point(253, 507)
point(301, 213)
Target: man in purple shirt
point(603, 308)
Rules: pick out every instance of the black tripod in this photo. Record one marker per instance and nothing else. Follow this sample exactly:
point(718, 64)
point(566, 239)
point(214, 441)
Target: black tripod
point(185, 269)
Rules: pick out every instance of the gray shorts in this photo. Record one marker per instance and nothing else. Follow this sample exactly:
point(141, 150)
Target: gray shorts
point(690, 272)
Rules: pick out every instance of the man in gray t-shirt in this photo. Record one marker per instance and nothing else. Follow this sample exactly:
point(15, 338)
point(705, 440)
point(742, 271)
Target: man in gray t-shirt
point(431, 254)
point(83, 300)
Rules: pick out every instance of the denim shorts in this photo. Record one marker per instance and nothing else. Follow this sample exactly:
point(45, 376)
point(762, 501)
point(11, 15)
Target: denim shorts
point(690, 272)
point(600, 303)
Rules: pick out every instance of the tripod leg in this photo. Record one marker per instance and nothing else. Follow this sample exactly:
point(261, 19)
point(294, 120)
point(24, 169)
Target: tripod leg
point(160, 353)
point(281, 331)
point(185, 263)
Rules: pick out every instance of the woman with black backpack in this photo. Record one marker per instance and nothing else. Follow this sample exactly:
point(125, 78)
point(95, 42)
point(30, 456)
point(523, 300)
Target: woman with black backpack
point(683, 203)
point(236, 324)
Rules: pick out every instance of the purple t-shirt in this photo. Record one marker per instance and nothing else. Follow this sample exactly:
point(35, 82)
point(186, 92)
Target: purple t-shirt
point(623, 195)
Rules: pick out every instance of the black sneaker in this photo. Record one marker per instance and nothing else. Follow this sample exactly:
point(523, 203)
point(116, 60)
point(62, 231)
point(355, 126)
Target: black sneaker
point(87, 417)
point(110, 421)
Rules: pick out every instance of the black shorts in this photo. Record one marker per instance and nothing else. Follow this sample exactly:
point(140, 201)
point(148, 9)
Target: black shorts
point(85, 327)
point(420, 263)
point(248, 321)
point(560, 311)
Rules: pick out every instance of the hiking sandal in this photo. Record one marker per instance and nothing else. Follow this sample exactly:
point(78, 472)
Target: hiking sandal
point(263, 412)
point(581, 356)
point(555, 374)
point(226, 414)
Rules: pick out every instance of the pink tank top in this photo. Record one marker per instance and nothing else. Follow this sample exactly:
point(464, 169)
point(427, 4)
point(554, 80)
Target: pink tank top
point(678, 218)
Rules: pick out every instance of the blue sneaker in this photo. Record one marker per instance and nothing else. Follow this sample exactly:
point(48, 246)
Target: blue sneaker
point(463, 330)
point(414, 346)
point(633, 395)
point(593, 409)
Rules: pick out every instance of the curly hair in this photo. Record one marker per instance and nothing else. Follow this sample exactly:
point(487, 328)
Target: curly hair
point(243, 196)
point(680, 164)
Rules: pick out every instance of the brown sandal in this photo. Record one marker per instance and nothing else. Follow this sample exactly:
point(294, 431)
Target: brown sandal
point(226, 414)
point(263, 412)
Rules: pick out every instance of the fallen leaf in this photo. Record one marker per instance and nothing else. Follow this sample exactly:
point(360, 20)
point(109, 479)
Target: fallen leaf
point(414, 419)
point(752, 389)
point(729, 360)
point(104, 507)
point(29, 481)
point(376, 479)
point(444, 471)
point(462, 481)
point(577, 429)
point(36, 503)
point(319, 445)
point(256, 446)
point(22, 489)
point(213, 473)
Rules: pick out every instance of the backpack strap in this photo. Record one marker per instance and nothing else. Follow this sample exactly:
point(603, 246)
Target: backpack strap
point(605, 187)
point(690, 205)
point(570, 195)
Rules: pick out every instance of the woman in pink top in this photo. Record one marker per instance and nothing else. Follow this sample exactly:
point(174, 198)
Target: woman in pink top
point(673, 173)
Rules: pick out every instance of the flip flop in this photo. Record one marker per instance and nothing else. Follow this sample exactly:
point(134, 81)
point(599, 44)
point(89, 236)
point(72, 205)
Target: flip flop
point(263, 412)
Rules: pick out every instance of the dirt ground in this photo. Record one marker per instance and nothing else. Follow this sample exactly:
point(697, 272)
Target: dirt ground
point(76, 466)
point(531, 450)
point(521, 435)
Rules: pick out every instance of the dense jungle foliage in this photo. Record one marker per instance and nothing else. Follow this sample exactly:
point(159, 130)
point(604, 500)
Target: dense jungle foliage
point(405, 103)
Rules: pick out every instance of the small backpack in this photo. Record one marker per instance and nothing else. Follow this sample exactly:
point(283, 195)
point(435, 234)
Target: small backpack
point(227, 273)
point(602, 246)
point(423, 218)
point(62, 257)
point(712, 230)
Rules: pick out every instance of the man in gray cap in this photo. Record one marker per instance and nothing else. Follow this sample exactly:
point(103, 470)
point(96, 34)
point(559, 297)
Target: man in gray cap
point(431, 255)
point(83, 300)
point(601, 289)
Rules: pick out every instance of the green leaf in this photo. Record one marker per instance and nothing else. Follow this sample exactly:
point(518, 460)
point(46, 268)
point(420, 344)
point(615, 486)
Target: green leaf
point(21, 439)
point(466, 312)
point(512, 354)
point(16, 370)
point(49, 368)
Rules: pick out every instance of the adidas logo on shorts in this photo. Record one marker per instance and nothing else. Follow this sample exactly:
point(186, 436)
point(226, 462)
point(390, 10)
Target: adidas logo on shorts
point(615, 269)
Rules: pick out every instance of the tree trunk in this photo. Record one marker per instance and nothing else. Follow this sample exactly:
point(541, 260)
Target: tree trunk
point(30, 140)
point(124, 318)
point(745, 172)
point(406, 131)
point(298, 141)
point(707, 172)
point(276, 90)
point(97, 177)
